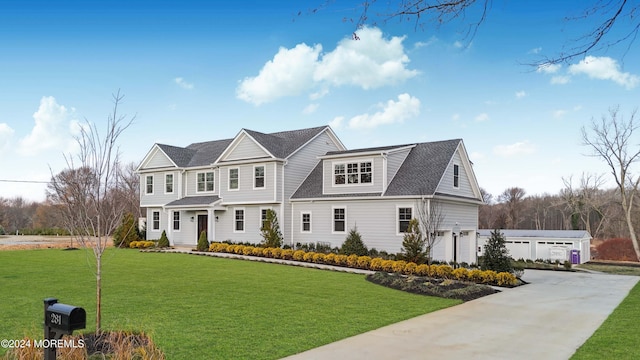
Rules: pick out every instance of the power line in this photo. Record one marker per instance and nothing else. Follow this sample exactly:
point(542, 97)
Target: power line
point(25, 181)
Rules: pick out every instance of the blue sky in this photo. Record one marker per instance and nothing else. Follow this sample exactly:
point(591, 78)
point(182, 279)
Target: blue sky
point(195, 71)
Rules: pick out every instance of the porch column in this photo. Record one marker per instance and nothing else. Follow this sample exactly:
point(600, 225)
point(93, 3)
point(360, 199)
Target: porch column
point(211, 226)
point(169, 229)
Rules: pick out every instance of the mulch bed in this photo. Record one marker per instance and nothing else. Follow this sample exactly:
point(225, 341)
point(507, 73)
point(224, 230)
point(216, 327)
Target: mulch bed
point(445, 288)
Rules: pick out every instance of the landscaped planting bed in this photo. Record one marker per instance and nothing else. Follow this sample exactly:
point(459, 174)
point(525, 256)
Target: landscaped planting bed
point(374, 264)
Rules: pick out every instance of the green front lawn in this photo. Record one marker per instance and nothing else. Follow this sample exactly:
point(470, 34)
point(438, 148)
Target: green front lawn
point(197, 307)
point(617, 337)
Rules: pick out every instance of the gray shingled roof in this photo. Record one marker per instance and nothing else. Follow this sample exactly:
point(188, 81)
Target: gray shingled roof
point(423, 168)
point(280, 144)
point(419, 174)
point(284, 143)
point(194, 200)
point(180, 156)
point(554, 234)
point(207, 152)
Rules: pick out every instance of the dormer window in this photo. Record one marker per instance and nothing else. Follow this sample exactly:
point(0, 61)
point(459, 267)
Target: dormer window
point(353, 173)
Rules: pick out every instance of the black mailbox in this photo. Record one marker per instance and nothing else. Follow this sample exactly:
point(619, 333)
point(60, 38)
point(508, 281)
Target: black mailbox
point(65, 318)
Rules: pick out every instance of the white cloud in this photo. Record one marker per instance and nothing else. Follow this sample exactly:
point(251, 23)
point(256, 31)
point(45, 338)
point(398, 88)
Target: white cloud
point(370, 62)
point(604, 68)
point(336, 123)
point(519, 148)
point(52, 129)
point(482, 117)
point(289, 73)
point(458, 44)
point(420, 44)
point(392, 112)
point(535, 50)
point(520, 94)
point(6, 133)
point(549, 68)
point(183, 84)
point(559, 113)
point(310, 109)
point(560, 79)
point(455, 117)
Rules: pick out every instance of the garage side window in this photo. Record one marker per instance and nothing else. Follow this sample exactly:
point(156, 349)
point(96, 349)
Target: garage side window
point(404, 216)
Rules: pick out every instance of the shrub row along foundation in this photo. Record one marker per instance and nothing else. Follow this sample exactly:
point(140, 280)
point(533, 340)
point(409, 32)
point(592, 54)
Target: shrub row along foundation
point(374, 264)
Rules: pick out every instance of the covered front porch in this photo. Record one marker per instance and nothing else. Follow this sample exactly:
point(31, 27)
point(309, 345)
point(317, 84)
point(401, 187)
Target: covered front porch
point(190, 216)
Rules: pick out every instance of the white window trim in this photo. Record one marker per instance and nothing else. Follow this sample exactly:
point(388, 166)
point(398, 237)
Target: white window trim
point(173, 229)
point(205, 182)
point(146, 184)
point(264, 177)
point(244, 220)
point(346, 183)
point(302, 214)
point(153, 221)
point(229, 179)
point(333, 219)
point(397, 218)
point(173, 183)
point(453, 179)
point(260, 215)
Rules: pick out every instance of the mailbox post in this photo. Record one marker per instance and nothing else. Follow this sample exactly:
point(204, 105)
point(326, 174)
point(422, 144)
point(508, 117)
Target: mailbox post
point(60, 319)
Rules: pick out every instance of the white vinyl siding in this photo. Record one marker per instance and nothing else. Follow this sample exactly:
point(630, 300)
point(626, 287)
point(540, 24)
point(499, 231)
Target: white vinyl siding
point(244, 147)
point(245, 193)
point(394, 161)
point(157, 160)
point(377, 222)
point(447, 184)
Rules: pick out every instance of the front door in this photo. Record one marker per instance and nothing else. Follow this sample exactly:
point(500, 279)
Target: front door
point(203, 221)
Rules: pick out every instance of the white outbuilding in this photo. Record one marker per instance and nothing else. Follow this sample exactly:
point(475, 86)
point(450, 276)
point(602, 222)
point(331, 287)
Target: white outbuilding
point(572, 245)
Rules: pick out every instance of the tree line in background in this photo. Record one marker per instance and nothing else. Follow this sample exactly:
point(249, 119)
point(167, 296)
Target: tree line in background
point(46, 218)
point(583, 204)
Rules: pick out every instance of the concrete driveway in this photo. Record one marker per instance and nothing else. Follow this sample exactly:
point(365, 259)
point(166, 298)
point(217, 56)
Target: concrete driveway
point(546, 319)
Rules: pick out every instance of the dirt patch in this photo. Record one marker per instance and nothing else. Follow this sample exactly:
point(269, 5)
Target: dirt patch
point(26, 242)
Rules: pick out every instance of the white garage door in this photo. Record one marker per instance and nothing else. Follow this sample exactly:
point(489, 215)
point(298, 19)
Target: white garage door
point(543, 248)
point(519, 249)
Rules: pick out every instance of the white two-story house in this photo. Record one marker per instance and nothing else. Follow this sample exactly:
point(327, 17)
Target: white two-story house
point(318, 189)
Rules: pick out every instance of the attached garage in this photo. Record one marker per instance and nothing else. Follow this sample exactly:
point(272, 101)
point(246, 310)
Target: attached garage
point(573, 245)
